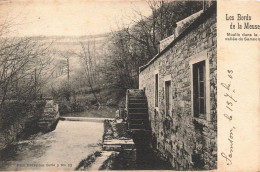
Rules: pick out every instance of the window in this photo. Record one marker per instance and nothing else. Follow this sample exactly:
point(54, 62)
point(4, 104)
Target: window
point(167, 98)
point(156, 89)
point(199, 90)
point(200, 86)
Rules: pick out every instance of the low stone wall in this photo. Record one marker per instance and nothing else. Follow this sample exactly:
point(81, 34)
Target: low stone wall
point(18, 120)
point(117, 139)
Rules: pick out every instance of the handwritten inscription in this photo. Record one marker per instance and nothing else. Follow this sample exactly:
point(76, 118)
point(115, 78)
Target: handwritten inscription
point(229, 156)
point(230, 101)
point(229, 108)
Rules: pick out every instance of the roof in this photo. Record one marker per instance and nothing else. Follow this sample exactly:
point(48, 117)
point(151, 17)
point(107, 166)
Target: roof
point(204, 16)
point(180, 26)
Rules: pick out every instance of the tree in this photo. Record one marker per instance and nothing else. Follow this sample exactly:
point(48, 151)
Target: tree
point(88, 57)
point(65, 64)
point(134, 45)
point(121, 64)
point(24, 64)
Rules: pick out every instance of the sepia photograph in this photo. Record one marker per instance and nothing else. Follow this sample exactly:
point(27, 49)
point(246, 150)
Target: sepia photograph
point(108, 85)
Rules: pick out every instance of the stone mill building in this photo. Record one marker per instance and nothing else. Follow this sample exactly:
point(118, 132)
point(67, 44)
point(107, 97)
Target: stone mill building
point(180, 85)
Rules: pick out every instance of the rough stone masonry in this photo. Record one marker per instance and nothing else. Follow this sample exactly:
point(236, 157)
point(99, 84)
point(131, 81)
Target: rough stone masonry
point(188, 142)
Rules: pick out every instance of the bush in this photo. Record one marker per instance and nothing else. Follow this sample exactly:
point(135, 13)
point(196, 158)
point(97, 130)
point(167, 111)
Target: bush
point(64, 107)
point(69, 107)
point(12, 111)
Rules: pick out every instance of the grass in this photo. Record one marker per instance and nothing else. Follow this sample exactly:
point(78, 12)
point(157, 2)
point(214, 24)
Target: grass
point(84, 104)
point(109, 97)
point(87, 162)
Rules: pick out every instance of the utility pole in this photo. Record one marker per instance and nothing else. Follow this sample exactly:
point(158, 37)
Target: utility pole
point(35, 82)
point(68, 70)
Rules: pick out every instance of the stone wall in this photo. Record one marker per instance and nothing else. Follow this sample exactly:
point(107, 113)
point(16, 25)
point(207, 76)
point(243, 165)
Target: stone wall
point(187, 142)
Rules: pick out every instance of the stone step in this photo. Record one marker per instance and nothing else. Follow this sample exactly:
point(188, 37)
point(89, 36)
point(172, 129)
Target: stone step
point(137, 110)
point(118, 145)
point(137, 105)
point(138, 131)
point(137, 101)
point(138, 121)
point(137, 116)
point(137, 126)
point(136, 97)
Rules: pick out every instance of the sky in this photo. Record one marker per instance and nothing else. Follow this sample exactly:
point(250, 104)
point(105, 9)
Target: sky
point(68, 17)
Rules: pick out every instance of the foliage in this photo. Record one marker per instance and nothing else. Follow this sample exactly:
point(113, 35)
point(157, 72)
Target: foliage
point(88, 56)
point(24, 67)
point(135, 45)
point(15, 110)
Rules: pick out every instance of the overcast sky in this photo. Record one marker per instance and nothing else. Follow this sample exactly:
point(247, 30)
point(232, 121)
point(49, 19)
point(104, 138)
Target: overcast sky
point(68, 17)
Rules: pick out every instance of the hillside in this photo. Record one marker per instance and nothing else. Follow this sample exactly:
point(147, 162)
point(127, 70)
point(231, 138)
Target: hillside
point(90, 70)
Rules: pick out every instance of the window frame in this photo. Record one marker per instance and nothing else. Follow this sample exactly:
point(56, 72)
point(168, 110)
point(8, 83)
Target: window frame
point(200, 88)
point(194, 60)
point(168, 78)
point(156, 72)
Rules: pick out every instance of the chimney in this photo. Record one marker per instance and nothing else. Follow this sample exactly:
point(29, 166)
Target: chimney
point(207, 4)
